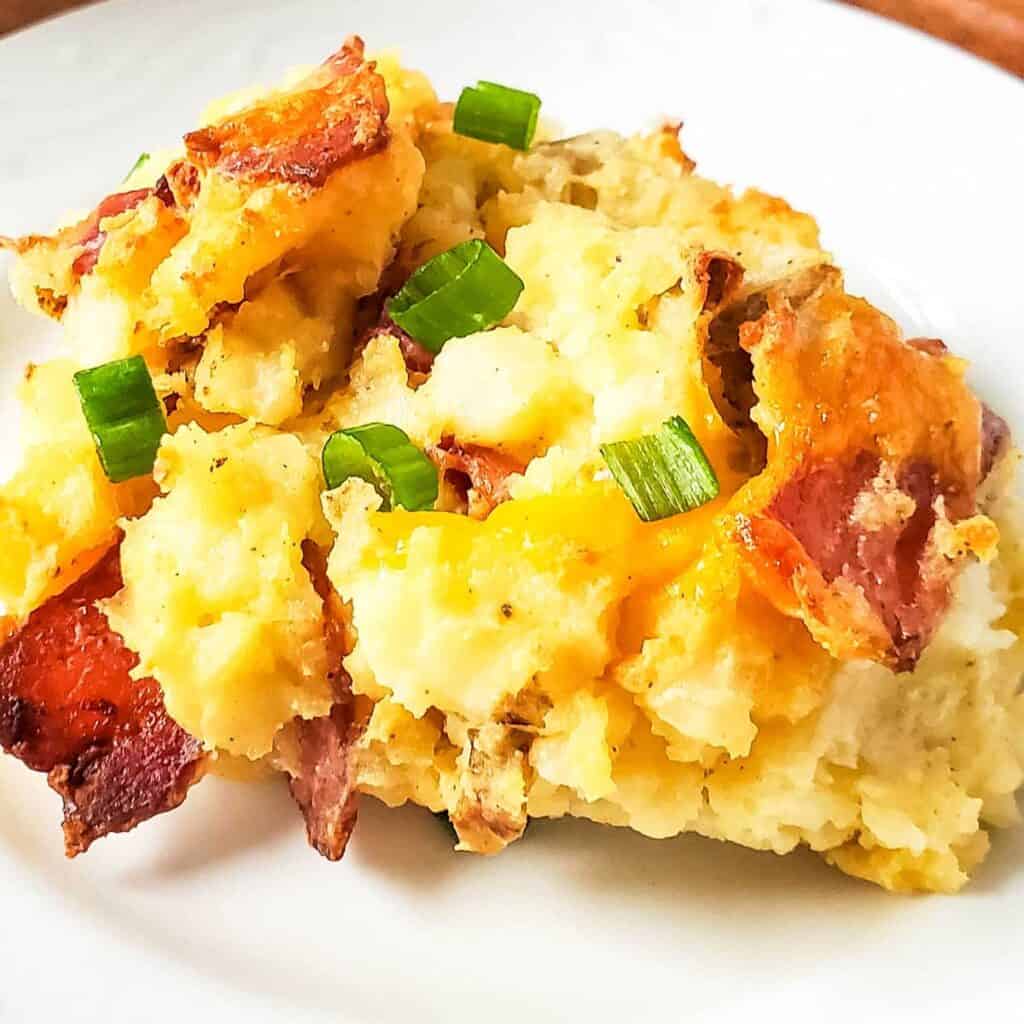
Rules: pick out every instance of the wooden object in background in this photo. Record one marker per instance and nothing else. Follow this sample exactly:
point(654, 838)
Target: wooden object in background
point(993, 29)
point(15, 14)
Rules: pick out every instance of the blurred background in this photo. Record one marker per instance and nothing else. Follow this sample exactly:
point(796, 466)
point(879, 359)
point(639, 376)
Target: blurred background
point(993, 29)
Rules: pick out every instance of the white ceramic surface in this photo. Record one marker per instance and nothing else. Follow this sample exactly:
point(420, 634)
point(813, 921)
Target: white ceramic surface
point(912, 157)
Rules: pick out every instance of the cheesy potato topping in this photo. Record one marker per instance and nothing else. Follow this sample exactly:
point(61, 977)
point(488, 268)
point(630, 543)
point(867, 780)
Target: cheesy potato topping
point(59, 512)
point(558, 657)
point(216, 600)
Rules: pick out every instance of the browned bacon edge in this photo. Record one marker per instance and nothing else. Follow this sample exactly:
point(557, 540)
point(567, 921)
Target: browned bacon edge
point(324, 779)
point(322, 768)
point(337, 115)
point(89, 235)
point(69, 707)
point(887, 563)
point(479, 472)
point(298, 138)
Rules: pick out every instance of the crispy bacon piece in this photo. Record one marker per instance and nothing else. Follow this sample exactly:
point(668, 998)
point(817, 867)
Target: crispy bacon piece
point(337, 115)
point(874, 450)
point(322, 755)
point(865, 531)
point(296, 138)
point(417, 358)
point(481, 472)
point(324, 777)
point(86, 234)
point(69, 707)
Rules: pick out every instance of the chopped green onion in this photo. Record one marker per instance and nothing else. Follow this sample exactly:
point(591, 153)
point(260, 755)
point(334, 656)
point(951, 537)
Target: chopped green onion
point(383, 456)
point(143, 159)
point(124, 416)
point(663, 474)
point(496, 113)
point(467, 289)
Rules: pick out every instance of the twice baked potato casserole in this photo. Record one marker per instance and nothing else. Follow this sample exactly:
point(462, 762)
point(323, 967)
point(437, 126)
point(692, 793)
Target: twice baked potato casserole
point(410, 452)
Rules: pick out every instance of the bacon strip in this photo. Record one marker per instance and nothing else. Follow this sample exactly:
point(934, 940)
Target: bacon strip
point(88, 235)
point(481, 472)
point(880, 551)
point(337, 115)
point(297, 138)
point(324, 779)
point(69, 707)
point(875, 447)
point(322, 765)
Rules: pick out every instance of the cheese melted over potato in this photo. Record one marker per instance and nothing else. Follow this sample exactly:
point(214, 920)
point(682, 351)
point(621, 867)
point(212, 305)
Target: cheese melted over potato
point(560, 656)
point(216, 600)
point(59, 512)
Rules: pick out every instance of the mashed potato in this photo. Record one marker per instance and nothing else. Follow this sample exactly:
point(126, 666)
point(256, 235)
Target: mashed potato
point(558, 656)
point(891, 777)
point(216, 599)
point(59, 512)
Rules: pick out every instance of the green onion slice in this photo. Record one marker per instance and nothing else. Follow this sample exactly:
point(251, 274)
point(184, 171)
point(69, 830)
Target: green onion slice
point(496, 113)
point(467, 289)
point(383, 456)
point(124, 415)
point(663, 474)
point(143, 159)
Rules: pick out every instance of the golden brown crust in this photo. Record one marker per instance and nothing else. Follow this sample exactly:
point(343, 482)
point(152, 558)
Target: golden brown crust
point(50, 303)
point(337, 115)
point(727, 365)
point(296, 138)
point(490, 811)
point(669, 146)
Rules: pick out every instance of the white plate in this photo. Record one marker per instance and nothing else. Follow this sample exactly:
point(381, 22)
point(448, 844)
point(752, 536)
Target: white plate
point(912, 157)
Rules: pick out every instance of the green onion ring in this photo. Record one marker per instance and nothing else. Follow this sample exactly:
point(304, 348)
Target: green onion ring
point(663, 474)
point(462, 291)
point(383, 456)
